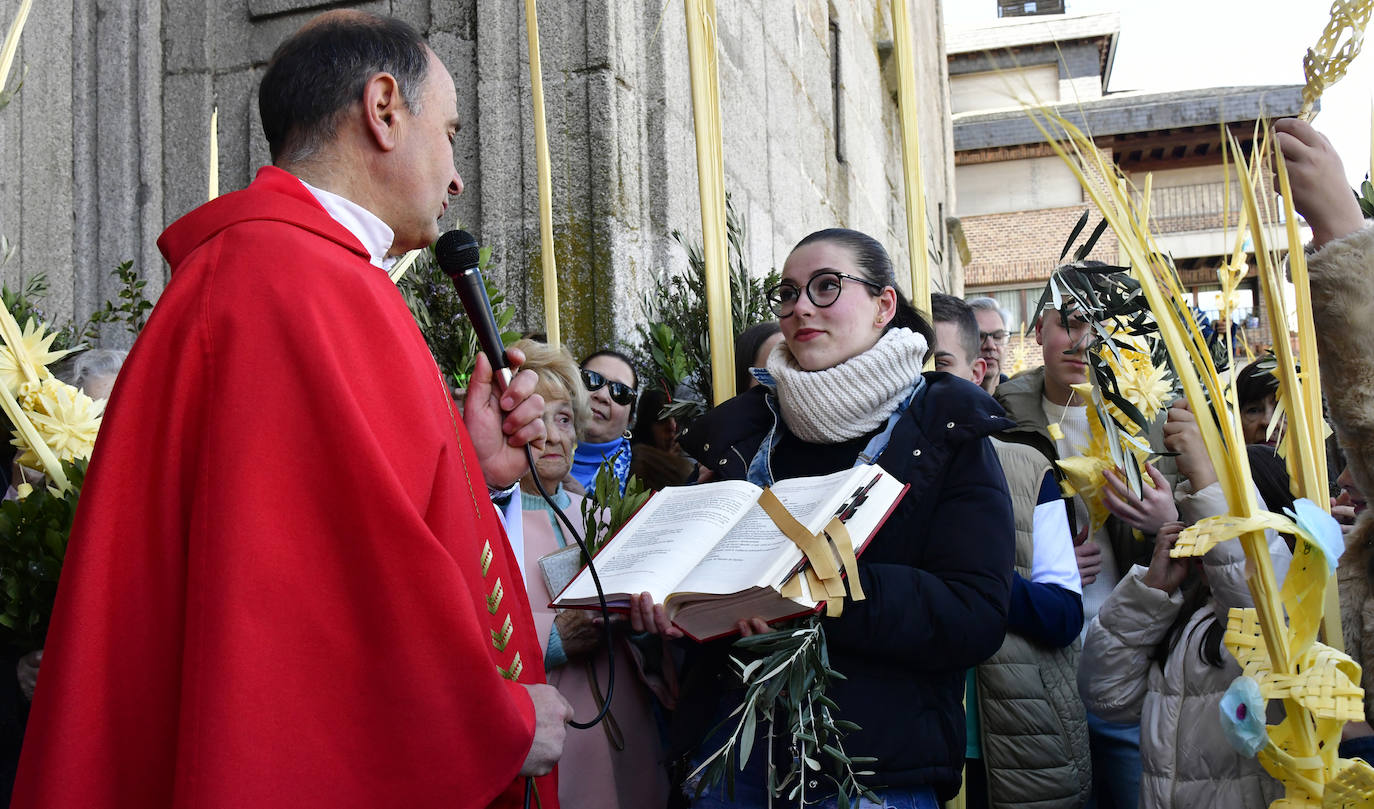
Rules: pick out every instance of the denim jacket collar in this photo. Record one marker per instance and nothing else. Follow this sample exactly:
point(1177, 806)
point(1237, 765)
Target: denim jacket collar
point(761, 469)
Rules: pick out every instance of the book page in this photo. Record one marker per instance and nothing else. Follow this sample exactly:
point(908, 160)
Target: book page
point(666, 539)
point(755, 553)
point(813, 501)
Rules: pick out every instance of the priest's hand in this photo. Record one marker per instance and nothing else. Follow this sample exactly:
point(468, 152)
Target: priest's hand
point(552, 713)
point(501, 427)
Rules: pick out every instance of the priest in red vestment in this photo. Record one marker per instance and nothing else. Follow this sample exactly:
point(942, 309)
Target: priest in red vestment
point(287, 585)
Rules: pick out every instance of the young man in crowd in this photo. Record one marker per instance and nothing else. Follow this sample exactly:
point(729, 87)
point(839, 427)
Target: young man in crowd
point(1027, 733)
point(1045, 395)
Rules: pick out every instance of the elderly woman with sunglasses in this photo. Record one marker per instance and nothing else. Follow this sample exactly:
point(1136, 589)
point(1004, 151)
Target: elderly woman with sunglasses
point(610, 379)
point(845, 387)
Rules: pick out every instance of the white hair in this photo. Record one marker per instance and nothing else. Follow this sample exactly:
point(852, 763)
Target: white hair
point(93, 363)
point(990, 305)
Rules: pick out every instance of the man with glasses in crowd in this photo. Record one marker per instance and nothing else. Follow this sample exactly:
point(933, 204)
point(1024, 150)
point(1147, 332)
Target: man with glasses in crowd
point(993, 335)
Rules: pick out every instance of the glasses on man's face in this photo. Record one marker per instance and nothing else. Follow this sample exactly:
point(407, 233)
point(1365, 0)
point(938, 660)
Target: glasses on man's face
point(823, 290)
point(621, 393)
point(999, 336)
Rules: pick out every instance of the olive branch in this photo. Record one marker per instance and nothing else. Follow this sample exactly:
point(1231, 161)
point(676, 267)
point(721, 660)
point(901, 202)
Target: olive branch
point(785, 684)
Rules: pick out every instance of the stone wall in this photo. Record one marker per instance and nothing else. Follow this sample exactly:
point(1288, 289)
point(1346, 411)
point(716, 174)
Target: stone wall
point(108, 141)
point(81, 148)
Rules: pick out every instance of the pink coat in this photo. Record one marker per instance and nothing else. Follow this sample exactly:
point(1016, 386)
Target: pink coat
point(595, 772)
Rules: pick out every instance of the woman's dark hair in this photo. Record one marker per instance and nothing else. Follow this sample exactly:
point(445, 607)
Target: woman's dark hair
point(747, 345)
point(1270, 473)
point(1271, 478)
point(875, 265)
point(1253, 383)
point(320, 72)
point(610, 352)
point(1196, 593)
point(651, 403)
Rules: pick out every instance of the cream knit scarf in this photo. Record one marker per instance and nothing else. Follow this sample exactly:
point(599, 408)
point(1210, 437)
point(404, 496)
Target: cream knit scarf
point(853, 398)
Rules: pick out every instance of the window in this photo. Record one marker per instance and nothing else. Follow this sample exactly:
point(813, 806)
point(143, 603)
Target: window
point(1208, 299)
point(1019, 302)
point(836, 99)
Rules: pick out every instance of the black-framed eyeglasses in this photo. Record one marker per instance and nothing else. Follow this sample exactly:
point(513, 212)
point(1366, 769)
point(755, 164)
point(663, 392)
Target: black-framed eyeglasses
point(823, 290)
point(999, 336)
point(621, 393)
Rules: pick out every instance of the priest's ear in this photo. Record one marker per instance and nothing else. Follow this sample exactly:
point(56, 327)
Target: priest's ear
point(382, 103)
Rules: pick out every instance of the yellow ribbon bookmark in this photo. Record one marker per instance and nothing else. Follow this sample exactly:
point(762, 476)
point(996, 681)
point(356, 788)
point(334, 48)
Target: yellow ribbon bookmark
point(839, 537)
point(834, 607)
point(822, 573)
point(816, 549)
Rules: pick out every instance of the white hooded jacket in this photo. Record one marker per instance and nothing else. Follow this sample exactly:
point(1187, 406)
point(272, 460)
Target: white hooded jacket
point(1185, 759)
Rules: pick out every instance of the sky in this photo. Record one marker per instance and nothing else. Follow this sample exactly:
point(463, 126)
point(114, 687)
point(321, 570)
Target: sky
point(1186, 44)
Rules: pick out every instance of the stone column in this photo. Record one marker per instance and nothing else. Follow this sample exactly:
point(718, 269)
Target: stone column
point(591, 140)
point(80, 187)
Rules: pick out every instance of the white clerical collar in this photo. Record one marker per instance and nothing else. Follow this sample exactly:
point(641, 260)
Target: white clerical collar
point(374, 234)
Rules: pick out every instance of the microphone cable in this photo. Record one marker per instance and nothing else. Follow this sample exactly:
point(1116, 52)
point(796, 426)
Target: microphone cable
point(606, 636)
point(600, 596)
point(457, 254)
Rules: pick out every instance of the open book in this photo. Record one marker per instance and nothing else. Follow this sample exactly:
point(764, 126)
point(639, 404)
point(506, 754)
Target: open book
point(712, 555)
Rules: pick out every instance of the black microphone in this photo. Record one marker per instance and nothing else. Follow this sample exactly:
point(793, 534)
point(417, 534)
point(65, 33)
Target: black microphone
point(457, 254)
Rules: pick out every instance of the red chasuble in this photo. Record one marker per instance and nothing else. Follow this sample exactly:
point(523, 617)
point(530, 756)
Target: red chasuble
point(286, 586)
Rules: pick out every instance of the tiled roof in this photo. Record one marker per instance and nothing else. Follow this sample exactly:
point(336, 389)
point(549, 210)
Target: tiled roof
point(1129, 112)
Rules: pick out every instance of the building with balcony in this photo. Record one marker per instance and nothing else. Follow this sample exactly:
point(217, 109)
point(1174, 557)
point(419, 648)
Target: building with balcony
point(1016, 199)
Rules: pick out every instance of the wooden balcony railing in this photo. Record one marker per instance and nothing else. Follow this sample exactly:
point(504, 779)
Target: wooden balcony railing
point(1181, 208)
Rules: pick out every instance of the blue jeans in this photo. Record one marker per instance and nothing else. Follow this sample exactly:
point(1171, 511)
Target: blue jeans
point(753, 795)
point(1116, 763)
point(751, 790)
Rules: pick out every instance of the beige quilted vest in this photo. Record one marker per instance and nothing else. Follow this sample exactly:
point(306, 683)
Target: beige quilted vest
point(1034, 731)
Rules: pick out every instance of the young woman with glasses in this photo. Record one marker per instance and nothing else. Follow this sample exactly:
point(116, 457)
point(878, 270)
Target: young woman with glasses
point(846, 387)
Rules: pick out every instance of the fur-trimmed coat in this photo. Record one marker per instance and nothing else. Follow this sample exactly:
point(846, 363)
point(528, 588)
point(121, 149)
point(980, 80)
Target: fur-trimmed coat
point(1342, 277)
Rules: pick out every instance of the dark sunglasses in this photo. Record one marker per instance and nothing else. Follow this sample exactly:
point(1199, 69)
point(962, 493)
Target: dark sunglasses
point(621, 393)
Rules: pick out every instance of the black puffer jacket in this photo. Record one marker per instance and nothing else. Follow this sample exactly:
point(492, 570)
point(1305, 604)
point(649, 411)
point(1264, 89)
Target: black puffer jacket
point(937, 577)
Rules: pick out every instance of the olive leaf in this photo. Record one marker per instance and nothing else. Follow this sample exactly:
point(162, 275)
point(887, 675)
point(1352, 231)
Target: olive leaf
point(785, 674)
point(605, 508)
point(672, 342)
